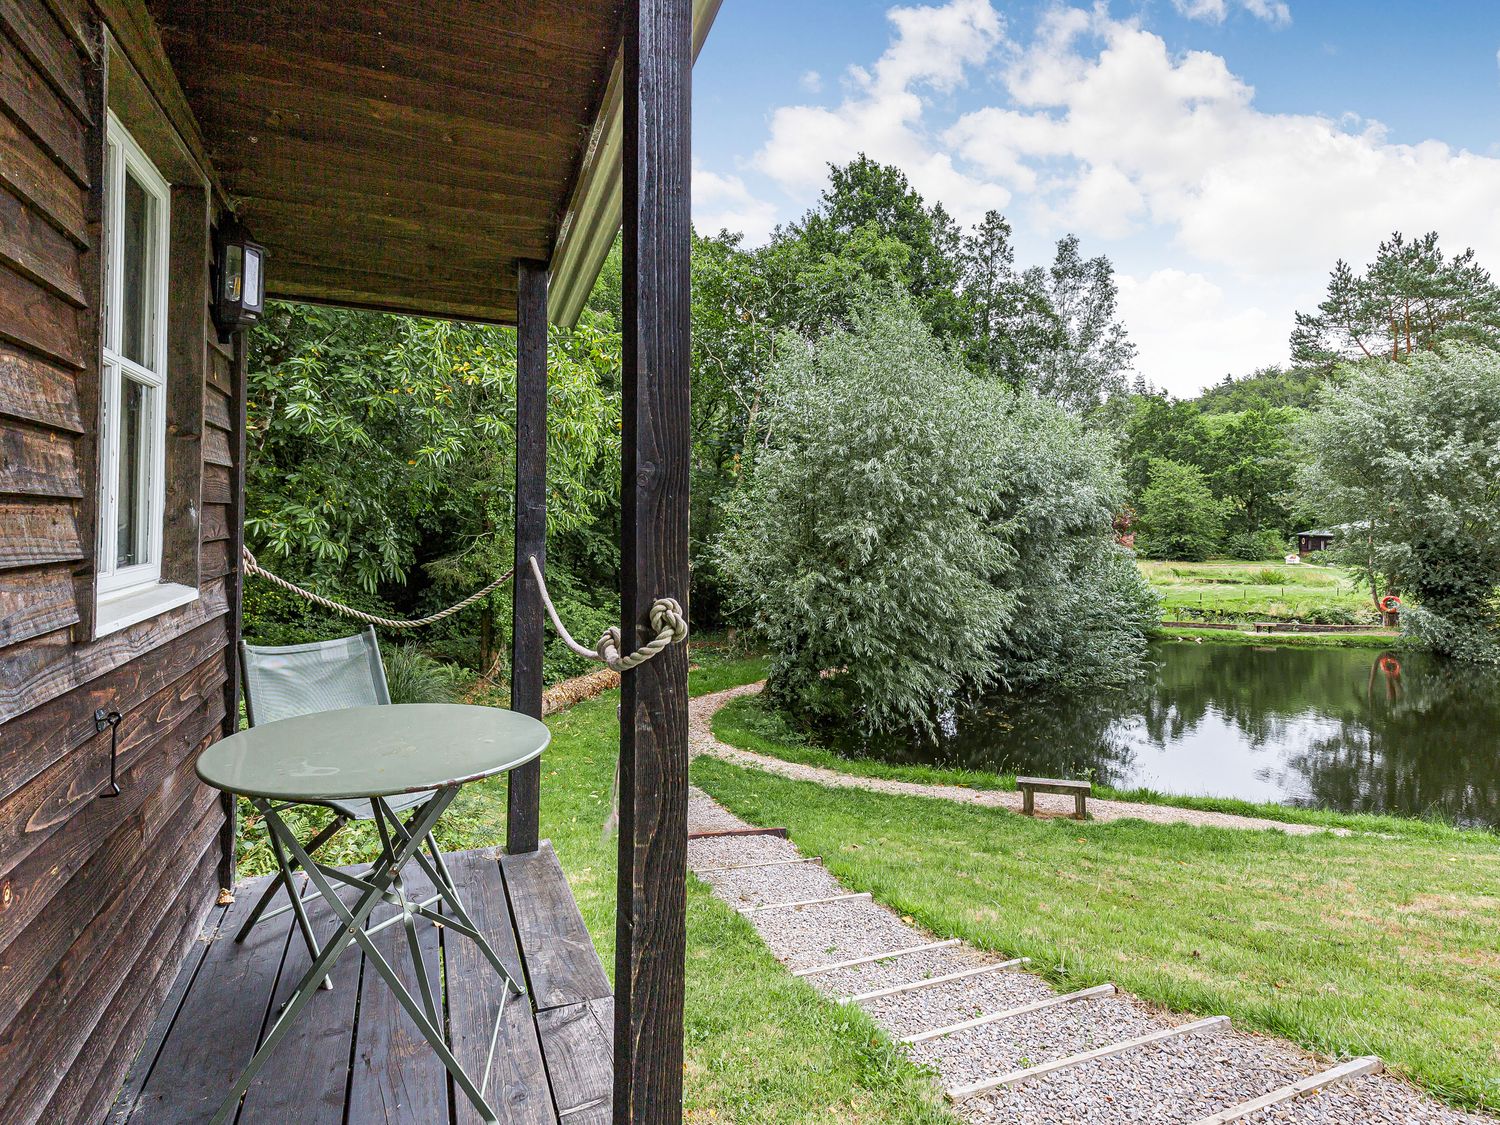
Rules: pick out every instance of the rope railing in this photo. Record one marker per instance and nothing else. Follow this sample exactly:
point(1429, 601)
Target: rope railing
point(666, 616)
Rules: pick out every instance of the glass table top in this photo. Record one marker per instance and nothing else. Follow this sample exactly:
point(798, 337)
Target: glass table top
point(372, 751)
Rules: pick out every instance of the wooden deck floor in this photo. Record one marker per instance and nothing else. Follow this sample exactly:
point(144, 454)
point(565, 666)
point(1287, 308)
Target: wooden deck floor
point(354, 1055)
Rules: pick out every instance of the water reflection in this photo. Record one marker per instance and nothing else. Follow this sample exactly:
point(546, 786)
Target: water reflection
point(1328, 728)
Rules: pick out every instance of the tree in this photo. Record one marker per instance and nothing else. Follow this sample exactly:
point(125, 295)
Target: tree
point(871, 236)
point(1179, 517)
point(1085, 362)
point(1013, 320)
point(381, 448)
point(1410, 299)
point(1406, 456)
point(912, 534)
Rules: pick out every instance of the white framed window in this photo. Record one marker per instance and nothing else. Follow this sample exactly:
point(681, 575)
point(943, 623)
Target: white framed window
point(133, 408)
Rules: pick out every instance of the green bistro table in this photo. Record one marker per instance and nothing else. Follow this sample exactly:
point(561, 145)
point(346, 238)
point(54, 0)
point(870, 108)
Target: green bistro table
point(375, 754)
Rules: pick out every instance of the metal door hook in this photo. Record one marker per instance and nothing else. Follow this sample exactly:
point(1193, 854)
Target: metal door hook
point(110, 719)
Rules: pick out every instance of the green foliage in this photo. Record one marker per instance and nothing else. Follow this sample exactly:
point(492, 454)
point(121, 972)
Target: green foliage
point(911, 534)
point(1293, 387)
point(1406, 457)
point(1410, 299)
point(1179, 517)
point(1255, 545)
point(381, 456)
point(1246, 458)
point(414, 677)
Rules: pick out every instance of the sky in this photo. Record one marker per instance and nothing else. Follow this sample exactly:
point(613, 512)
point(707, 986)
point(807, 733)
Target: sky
point(1223, 153)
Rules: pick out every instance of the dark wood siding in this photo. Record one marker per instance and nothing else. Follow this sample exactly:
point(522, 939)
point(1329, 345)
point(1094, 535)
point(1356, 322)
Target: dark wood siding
point(99, 897)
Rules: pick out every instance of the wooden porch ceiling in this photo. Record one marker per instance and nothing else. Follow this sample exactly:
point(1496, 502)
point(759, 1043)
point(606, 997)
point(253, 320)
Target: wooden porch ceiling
point(396, 156)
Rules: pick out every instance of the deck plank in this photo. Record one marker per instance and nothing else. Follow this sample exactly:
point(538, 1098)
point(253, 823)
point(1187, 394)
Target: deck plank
point(219, 1022)
point(225, 996)
point(307, 1078)
point(579, 1042)
point(140, 1070)
point(396, 1075)
point(560, 957)
point(517, 1089)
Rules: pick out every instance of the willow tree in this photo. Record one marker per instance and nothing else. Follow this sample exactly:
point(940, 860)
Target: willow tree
point(912, 534)
point(1405, 459)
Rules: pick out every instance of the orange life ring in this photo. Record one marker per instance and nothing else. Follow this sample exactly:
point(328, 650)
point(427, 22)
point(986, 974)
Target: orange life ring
point(1390, 603)
point(1389, 665)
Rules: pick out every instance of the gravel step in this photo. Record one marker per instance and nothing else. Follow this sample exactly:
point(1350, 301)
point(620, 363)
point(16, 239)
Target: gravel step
point(762, 886)
point(721, 851)
point(1047, 1036)
point(908, 1013)
point(1372, 1100)
point(999, 1015)
point(1172, 1082)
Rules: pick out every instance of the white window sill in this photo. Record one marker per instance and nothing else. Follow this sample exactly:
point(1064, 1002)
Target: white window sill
point(120, 610)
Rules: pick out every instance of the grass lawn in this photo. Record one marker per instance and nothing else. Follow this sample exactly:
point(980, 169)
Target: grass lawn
point(761, 1046)
point(1250, 591)
point(750, 724)
point(1348, 945)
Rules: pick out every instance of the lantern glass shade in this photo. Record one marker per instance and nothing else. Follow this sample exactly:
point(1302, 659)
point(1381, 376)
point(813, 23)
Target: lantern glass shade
point(241, 285)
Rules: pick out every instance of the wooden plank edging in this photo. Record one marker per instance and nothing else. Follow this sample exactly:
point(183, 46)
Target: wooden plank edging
point(1010, 1013)
point(912, 986)
point(1369, 1064)
point(874, 957)
point(804, 902)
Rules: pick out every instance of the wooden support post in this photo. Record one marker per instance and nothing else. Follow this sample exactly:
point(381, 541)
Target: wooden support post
point(650, 929)
point(523, 795)
point(239, 394)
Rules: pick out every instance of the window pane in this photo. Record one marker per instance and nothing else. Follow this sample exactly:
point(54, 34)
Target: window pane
point(137, 298)
point(132, 545)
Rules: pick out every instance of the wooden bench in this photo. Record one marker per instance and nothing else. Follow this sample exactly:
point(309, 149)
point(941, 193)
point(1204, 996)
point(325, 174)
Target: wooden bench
point(1031, 786)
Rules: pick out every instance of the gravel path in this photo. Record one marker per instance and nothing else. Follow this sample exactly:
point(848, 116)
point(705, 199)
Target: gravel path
point(1173, 1082)
point(701, 740)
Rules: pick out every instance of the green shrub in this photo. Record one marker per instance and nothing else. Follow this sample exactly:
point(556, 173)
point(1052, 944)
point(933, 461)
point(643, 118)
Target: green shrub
point(415, 677)
point(1255, 546)
point(1179, 516)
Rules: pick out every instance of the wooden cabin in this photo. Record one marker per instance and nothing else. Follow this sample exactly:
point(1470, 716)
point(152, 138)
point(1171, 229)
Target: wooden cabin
point(463, 159)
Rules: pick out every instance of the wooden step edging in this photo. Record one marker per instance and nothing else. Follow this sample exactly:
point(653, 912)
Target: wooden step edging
point(748, 866)
point(1369, 1064)
point(803, 902)
point(874, 957)
point(1197, 1027)
point(1010, 1013)
point(912, 986)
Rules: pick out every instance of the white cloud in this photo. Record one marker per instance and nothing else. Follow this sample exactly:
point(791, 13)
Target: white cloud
point(1217, 11)
point(1190, 333)
point(883, 112)
point(1158, 158)
point(725, 203)
point(811, 81)
point(1119, 135)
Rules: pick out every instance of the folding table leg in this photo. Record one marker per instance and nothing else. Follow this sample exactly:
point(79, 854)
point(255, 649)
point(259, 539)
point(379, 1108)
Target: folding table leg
point(298, 909)
point(283, 876)
point(386, 869)
point(449, 892)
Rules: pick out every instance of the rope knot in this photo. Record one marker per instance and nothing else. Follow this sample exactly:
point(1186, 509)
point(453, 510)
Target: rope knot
point(667, 616)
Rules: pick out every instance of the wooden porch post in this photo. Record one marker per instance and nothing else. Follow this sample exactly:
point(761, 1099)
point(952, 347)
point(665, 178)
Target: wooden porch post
point(650, 936)
point(523, 795)
point(239, 395)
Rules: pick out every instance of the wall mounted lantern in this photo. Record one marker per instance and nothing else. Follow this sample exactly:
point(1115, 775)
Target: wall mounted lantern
point(239, 280)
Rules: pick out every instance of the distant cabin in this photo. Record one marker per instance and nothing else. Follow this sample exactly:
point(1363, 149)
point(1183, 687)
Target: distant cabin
point(1309, 542)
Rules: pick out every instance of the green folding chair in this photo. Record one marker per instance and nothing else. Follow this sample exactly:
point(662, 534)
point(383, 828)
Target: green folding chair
point(288, 680)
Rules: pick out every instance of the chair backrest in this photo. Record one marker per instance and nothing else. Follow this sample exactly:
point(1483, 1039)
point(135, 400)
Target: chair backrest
point(288, 680)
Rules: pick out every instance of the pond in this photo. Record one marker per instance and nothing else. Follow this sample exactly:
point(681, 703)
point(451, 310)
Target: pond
point(1345, 729)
